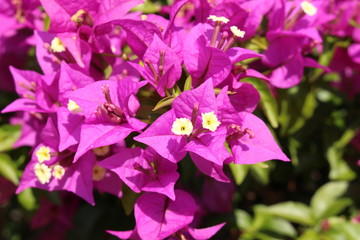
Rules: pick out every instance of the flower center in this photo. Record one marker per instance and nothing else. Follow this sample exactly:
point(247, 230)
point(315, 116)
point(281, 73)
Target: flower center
point(58, 172)
point(43, 154)
point(210, 121)
point(42, 172)
point(73, 107)
point(57, 45)
point(308, 8)
point(182, 126)
point(98, 173)
point(82, 17)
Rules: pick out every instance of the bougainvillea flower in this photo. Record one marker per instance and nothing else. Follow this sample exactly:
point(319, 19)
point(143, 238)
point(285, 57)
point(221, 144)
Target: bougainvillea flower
point(67, 16)
point(247, 14)
point(139, 34)
point(249, 138)
point(109, 108)
point(53, 170)
point(37, 92)
point(158, 217)
point(203, 61)
point(30, 123)
point(162, 66)
point(198, 234)
point(244, 97)
point(144, 171)
point(51, 49)
point(205, 147)
point(348, 69)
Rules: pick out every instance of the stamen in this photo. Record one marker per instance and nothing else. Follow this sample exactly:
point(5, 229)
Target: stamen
point(162, 62)
point(114, 109)
point(106, 91)
point(224, 36)
point(235, 132)
point(150, 172)
point(236, 33)
point(194, 113)
point(37, 115)
point(218, 21)
point(30, 88)
point(31, 97)
point(152, 69)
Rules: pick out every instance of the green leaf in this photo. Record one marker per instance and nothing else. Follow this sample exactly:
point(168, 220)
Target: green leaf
point(292, 211)
point(350, 230)
point(167, 101)
point(326, 196)
point(107, 71)
point(309, 234)
point(339, 169)
point(27, 199)
point(128, 199)
point(8, 168)
point(239, 172)
point(147, 7)
point(337, 207)
point(294, 146)
point(347, 136)
point(46, 23)
point(307, 111)
point(279, 226)
point(243, 219)
point(261, 172)
point(267, 101)
point(8, 136)
point(267, 222)
point(188, 83)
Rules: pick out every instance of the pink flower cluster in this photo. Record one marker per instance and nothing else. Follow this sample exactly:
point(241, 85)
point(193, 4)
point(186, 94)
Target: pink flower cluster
point(88, 114)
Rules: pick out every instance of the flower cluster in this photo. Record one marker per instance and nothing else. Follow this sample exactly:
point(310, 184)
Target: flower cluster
point(123, 98)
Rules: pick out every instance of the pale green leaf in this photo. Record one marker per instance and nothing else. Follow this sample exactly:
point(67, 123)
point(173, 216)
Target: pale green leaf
point(8, 168)
point(27, 199)
point(167, 101)
point(326, 196)
point(243, 219)
point(8, 136)
point(293, 211)
point(339, 169)
point(188, 83)
point(239, 172)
